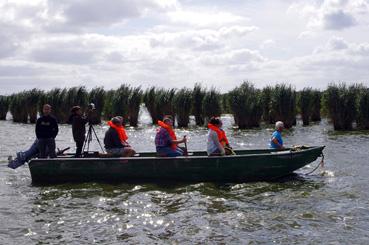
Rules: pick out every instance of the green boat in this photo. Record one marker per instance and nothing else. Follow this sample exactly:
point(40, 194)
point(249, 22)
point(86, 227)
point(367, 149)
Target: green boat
point(247, 165)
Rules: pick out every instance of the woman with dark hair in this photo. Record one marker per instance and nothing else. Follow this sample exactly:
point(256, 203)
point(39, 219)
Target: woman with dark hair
point(217, 143)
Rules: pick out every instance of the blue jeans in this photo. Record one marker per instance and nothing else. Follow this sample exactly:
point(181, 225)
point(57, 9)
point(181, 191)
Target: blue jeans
point(25, 156)
point(169, 152)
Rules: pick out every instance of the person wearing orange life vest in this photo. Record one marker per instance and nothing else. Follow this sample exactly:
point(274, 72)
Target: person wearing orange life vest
point(166, 141)
point(115, 139)
point(217, 143)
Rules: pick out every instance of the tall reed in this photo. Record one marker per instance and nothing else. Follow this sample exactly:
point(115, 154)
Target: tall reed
point(283, 104)
point(340, 103)
point(316, 97)
point(4, 106)
point(305, 104)
point(134, 103)
point(266, 96)
point(97, 96)
point(212, 104)
point(108, 104)
point(18, 107)
point(159, 102)
point(198, 94)
point(149, 99)
point(363, 109)
point(33, 98)
point(182, 106)
point(246, 105)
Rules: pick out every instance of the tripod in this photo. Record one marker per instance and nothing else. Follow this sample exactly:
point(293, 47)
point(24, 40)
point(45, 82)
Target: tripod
point(88, 139)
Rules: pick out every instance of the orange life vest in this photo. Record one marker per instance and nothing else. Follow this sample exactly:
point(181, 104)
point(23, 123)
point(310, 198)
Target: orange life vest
point(170, 131)
point(221, 134)
point(120, 130)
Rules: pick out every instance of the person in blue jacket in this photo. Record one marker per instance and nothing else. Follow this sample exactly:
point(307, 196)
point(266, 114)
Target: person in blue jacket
point(276, 141)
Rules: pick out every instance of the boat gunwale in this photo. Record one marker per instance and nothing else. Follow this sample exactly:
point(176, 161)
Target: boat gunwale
point(282, 153)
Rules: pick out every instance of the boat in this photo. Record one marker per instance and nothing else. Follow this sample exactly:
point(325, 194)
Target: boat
point(246, 165)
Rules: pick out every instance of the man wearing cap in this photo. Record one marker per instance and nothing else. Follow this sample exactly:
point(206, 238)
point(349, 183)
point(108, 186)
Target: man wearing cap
point(78, 128)
point(276, 141)
point(115, 139)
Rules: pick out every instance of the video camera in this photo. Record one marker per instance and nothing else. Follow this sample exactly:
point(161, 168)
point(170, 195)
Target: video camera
point(92, 115)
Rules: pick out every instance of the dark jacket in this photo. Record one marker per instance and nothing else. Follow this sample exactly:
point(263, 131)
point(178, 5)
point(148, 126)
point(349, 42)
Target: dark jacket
point(112, 140)
point(78, 127)
point(46, 127)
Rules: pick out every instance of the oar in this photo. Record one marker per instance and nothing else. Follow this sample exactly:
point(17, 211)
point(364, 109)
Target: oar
point(186, 151)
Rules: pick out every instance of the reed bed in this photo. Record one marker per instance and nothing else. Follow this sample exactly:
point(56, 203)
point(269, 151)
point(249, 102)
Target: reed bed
point(340, 102)
point(97, 96)
point(283, 104)
point(18, 107)
point(135, 100)
point(266, 95)
point(4, 106)
point(363, 108)
point(316, 97)
point(212, 104)
point(245, 103)
point(182, 106)
point(108, 105)
point(198, 94)
point(33, 98)
point(305, 103)
point(120, 101)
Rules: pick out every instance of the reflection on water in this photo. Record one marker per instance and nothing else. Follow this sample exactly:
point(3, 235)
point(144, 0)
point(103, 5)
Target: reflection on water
point(331, 208)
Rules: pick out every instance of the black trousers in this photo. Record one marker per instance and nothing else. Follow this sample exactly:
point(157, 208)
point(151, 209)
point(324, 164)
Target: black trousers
point(46, 148)
point(79, 145)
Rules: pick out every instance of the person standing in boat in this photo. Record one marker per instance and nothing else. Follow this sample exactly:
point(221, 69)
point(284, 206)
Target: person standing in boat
point(78, 122)
point(276, 141)
point(46, 132)
point(166, 141)
point(217, 143)
point(115, 139)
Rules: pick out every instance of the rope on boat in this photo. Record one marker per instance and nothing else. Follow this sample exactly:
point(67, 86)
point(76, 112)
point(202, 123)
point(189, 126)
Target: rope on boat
point(321, 164)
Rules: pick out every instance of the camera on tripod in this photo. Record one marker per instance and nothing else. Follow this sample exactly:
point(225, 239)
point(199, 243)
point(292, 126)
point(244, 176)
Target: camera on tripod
point(92, 115)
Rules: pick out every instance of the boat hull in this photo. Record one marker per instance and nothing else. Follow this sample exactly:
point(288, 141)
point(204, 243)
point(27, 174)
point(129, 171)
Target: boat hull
point(248, 165)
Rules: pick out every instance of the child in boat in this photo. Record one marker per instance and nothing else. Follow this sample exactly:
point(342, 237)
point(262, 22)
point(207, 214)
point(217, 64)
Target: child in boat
point(115, 139)
point(166, 141)
point(276, 141)
point(217, 143)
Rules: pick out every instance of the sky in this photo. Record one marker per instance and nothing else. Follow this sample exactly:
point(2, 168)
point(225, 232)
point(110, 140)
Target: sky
point(176, 43)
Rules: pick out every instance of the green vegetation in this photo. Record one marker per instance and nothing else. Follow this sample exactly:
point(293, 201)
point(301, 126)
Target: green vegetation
point(343, 104)
point(4, 106)
point(246, 106)
point(305, 102)
point(283, 104)
point(182, 106)
point(340, 103)
point(316, 97)
point(211, 104)
point(198, 95)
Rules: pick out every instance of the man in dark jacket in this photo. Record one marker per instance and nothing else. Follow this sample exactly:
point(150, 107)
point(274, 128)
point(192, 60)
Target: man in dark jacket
point(46, 131)
point(78, 128)
point(114, 144)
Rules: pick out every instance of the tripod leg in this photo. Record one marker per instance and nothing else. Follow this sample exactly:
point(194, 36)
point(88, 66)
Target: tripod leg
point(97, 138)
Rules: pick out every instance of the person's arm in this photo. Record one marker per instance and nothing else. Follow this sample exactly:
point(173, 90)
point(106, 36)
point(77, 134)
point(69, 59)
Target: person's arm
point(275, 141)
point(214, 138)
point(37, 128)
point(116, 140)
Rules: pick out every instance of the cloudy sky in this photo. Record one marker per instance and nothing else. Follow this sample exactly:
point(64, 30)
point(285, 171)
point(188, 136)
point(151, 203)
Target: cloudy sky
point(176, 43)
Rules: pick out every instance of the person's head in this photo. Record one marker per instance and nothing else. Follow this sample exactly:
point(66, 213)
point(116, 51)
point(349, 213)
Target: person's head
point(168, 120)
point(116, 121)
point(121, 119)
point(279, 126)
point(46, 109)
point(216, 121)
point(76, 110)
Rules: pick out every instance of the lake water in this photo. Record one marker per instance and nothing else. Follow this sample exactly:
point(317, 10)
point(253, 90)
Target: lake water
point(318, 209)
